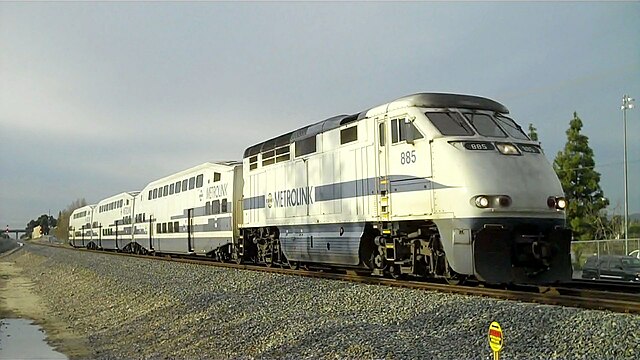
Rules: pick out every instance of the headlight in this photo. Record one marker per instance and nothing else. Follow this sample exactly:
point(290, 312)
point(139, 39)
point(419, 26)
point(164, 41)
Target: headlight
point(557, 202)
point(482, 201)
point(507, 149)
point(491, 201)
point(504, 200)
point(561, 203)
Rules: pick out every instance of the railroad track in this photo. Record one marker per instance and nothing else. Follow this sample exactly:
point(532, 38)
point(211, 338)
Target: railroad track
point(624, 298)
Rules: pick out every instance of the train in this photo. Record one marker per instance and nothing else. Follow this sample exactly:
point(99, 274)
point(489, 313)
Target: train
point(428, 186)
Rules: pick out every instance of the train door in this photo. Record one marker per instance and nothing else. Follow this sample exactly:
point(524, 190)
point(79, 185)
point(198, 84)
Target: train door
point(382, 181)
point(190, 230)
point(408, 168)
point(100, 236)
point(117, 247)
point(151, 233)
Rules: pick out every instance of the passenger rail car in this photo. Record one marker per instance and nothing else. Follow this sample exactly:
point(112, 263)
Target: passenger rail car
point(81, 232)
point(112, 221)
point(195, 211)
point(429, 185)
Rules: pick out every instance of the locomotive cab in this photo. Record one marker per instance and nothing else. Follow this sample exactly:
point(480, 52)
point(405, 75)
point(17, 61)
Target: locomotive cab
point(468, 170)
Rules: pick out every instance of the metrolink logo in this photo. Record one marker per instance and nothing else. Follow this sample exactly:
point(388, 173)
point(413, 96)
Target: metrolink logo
point(293, 197)
point(217, 191)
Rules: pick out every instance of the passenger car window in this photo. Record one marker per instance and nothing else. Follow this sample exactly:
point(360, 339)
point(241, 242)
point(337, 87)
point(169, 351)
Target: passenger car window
point(615, 264)
point(631, 263)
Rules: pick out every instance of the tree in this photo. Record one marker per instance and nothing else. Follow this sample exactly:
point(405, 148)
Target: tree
point(46, 223)
point(62, 230)
point(533, 133)
point(581, 183)
point(634, 229)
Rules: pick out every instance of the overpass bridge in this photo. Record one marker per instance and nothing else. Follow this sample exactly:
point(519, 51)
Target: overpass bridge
point(15, 231)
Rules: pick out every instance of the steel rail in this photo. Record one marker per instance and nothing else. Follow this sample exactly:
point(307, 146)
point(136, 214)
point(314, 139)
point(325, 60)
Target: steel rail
point(560, 296)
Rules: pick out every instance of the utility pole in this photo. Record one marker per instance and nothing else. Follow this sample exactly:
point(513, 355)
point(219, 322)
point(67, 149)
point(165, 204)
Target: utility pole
point(627, 103)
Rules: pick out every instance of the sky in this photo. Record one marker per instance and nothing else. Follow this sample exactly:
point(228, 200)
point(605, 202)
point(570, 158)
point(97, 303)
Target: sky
point(98, 98)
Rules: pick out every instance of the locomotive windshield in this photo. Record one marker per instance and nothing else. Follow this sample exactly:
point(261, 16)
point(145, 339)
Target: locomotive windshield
point(514, 130)
point(455, 124)
point(449, 123)
point(485, 125)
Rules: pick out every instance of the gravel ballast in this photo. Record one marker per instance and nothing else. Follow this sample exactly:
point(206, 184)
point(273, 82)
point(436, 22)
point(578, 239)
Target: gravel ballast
point(144, 308)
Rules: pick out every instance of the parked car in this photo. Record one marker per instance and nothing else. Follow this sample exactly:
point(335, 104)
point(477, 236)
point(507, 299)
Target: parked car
point(612, 267)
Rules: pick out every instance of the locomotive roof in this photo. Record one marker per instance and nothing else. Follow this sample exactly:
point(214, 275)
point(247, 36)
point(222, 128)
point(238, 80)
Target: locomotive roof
point(442, 100)
point(427, 100)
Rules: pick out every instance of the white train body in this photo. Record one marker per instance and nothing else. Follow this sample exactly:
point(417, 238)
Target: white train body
point(190, 212)
point(112, 221)
point(429, 185)
point(81, 232)
point(396, 187)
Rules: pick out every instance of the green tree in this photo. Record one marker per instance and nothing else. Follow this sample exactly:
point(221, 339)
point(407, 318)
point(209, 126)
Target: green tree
point(634, 229)
point(46, 223)
point(581, 183)
point(533, 132)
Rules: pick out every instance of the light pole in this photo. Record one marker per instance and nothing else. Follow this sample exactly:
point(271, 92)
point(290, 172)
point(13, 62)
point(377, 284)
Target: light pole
point(627, 103)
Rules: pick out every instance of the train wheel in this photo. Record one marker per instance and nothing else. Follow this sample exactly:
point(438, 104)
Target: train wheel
point(395, 272)
point(377, 262)
point(453, 278)
point(294, 265)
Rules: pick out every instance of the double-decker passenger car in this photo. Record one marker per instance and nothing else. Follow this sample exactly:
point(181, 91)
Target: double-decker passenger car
point(190, 212)
point(112, 221)
point(81, 232)
point(429, 185)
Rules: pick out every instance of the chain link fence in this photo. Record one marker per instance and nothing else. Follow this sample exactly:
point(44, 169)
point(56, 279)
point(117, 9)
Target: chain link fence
point(581, 250)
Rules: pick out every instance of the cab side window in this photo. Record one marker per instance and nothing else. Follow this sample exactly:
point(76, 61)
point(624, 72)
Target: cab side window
point(400, 128)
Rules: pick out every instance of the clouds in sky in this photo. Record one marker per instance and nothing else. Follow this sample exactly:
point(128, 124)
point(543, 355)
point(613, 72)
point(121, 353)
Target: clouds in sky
point(100, 98)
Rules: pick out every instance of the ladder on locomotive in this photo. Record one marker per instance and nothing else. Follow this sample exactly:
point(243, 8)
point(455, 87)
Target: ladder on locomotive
point(384, 216)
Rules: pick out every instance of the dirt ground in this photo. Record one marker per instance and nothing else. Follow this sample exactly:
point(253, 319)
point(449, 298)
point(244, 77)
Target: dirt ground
point(17, 300)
